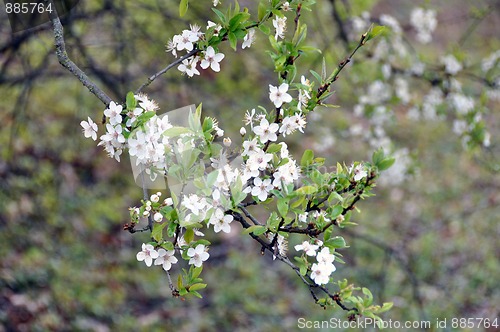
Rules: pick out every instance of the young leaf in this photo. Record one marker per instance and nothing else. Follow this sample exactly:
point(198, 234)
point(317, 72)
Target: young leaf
point(131, 102)
point(307, 158)
point(183, 7)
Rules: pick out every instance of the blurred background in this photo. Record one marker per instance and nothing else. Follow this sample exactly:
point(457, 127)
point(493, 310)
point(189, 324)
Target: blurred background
point(428, 240)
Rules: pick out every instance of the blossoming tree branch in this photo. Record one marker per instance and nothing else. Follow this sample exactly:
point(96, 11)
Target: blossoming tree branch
point(218, 189)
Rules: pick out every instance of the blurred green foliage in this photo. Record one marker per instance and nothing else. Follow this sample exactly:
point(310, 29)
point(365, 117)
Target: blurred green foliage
point(430, 245)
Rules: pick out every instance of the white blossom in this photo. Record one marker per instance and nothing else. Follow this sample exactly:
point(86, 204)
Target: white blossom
point(220, 221)
point(451, 64)
point(166, 258)
point(113, 112)
point(89, 128)
point(424, 22)
point(266, 131)
point(211, 59)
point(147, 254)
point(188, 66)
point(198, 255)
point(279, 95)
point(261, 188)
point(321, 273)
point(279, 24)
point(308, 248)
point(249, 39)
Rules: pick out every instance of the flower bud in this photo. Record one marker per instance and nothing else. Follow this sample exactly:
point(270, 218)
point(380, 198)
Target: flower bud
point(158, 217)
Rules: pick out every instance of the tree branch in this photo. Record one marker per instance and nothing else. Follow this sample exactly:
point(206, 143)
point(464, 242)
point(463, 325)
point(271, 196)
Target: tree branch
point(67, 63)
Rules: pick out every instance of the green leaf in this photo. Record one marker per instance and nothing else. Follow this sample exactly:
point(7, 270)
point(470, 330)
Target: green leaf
point(306, 190)
point(283, 205)
point(171, 229)
point(307, 158)
point(131, 102)
point(336, 211)
point(377, 156)
point(221, 16)
point(369, 297)
point(183, 7)
point(255, 229)
point(374, 31)
point(265, 29)
point(157, 233)
point(336, 242)
point(273, 148)
point(195, 293)
point(189, 235)
point(385, 307)
point(176, 131)
point(262, 11)
point(232, 40)
point(236, 21)
point(179, 282)
point(195, 287)
point(386, 163)
point(196, 271)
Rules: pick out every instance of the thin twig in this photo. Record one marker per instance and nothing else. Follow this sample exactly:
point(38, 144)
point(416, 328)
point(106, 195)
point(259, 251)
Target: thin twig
point(67, 63)
point(167, 68)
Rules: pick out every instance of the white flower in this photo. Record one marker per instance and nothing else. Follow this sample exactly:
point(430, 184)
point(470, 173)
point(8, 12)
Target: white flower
point(266, 131)
point(189, 67)
point(217, 27)
point(194, 203)
point(198, 255)
point(211, 59)
point(451, 64)
point(304, 95)
point(147, 254)
point(168, 201)
point(166, 258)
point(303, 217)
point(148, 105)
point(490, 61)
point(321, 273)
point(359, 172)
point(155, 198)
point(243, 131)
point(250, 147)
point(113, 113)
point(279, 24)
point(89, 128)
point(279, 95)
point(172, 47)
point(186, 40)
point(158, 217)
point(261, 188)
point(220, 221)
point(248, 119)
point(216, 2)
point(325, 257)
point(227, 141)
point(308, 248)
point(248, 39)
point(424, 22)
point(113, 134)
point(259, 160)
point(286, 6)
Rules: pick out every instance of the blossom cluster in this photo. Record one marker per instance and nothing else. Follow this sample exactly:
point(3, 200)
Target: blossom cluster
point(323, 268)
point(400, 69)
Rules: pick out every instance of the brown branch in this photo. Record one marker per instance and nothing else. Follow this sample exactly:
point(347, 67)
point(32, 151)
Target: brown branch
point(67, 63)
point(167, 68)
point(269, 247)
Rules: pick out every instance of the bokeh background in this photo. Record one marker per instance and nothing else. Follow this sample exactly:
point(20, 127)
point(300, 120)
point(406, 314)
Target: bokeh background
point(428, 243)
